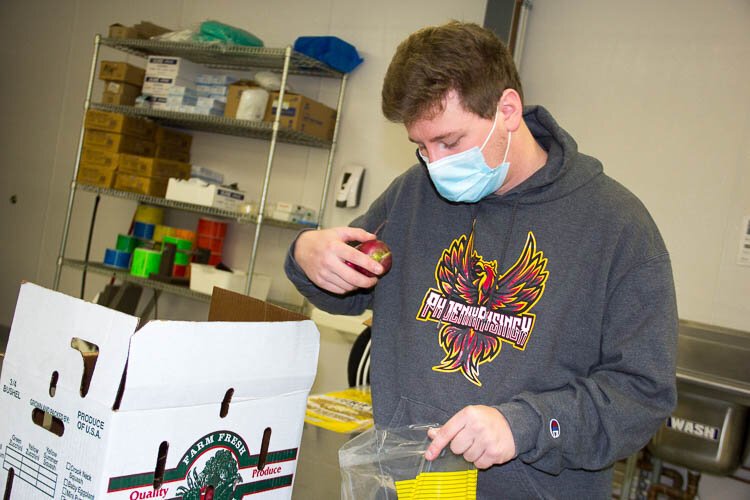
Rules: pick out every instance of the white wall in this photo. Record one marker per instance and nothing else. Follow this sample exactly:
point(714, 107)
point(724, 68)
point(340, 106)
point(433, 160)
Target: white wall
point(659, 92)
point(42, 111)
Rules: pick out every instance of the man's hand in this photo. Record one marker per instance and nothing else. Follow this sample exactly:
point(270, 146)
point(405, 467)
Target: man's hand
point(321, 255)
point(480, 433)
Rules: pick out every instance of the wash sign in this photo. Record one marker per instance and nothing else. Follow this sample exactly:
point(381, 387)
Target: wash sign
point(697, 429)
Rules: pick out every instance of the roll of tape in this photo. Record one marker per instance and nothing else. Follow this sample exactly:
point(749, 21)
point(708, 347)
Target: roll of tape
point(211, 228)
point(116, 258)
point(160, 231)
point(149, 214)
point(179, 271)
point(145, 262)
point(126, 243)
point(181, 258)
point(180, 243)
point(144, 230)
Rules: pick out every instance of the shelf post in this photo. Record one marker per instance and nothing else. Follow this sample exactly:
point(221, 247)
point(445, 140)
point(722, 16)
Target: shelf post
point(71, 196)
point(332, 152)
point(269, 166)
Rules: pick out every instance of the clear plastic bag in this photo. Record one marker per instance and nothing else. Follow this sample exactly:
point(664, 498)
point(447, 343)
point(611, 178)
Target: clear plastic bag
point(389, 464)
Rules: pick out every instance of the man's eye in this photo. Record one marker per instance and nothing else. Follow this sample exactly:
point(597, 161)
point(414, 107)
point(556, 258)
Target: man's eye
point(449, 145)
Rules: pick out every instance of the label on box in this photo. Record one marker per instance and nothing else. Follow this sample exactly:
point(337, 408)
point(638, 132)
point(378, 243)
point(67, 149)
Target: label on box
point(221, 460)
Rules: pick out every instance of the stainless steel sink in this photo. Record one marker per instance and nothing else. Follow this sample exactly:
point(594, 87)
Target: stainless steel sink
point(716, 359)
point(707, 430)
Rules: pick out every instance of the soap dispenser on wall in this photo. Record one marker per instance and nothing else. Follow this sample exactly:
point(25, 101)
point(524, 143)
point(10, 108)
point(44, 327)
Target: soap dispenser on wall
point(350, 186)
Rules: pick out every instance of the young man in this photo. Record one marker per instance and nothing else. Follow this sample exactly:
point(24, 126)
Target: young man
point(530, 308)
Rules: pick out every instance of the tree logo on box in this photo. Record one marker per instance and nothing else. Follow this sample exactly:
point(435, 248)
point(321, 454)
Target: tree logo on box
point(216, 481)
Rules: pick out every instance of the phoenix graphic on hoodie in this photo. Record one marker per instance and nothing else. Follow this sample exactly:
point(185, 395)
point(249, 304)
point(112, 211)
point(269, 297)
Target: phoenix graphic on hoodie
point(478, 308)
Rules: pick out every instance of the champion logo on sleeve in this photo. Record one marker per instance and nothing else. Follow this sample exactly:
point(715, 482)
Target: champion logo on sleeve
point(554, 428)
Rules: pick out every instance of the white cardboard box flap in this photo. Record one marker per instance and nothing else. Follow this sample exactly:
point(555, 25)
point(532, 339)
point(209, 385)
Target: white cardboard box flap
point(47, 346)
point(181, 363)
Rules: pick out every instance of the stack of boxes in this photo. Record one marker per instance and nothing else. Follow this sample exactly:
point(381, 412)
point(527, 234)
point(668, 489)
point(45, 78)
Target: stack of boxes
point(176, 84)
point(122, 82)
point(132, 154)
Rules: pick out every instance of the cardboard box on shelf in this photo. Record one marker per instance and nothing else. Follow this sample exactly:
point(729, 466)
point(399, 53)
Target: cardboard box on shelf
point(173, 137)
point(172, 152)
point(222, 409)
point(100, 158)
point(209, 195)
point(172, 67)
point(96, 175)
point(118, 71)
point(118, 143)
point(303, 114)
point(120, 93)
point(153, 186)
point(153, 167)
point(117, 30)
point(234, 93)
point(119, 124)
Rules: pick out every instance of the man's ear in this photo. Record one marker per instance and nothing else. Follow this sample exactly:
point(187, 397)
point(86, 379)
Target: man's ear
point(511, 107)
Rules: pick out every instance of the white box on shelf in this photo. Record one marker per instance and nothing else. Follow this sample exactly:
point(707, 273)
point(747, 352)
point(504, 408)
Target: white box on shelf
point(202, 193)
point(172, 67)
point(203, 278)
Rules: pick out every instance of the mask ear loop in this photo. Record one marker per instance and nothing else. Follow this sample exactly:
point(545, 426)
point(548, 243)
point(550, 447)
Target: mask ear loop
point(494, 123)
point(507, 148)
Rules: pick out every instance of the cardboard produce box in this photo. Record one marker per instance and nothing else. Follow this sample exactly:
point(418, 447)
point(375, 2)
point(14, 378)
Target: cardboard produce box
point(93, 408)
point(119, 124)
point(152, 186)
point(118, 71)
point(302, 114)
point(153, 167)
point(118, 143)
point(96, 175)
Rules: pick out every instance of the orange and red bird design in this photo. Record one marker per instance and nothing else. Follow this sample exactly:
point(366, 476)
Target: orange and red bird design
point(484, 307)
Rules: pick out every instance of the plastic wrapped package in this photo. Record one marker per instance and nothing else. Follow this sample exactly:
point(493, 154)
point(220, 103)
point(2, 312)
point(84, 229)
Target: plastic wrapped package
point(331, 50)
point(389, 464)
point(212, 32)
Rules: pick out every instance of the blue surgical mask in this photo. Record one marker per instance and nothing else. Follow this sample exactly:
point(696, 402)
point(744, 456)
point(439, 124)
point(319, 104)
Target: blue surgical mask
point(465, 176)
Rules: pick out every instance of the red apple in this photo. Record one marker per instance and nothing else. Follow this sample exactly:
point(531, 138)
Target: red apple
point(376, 250)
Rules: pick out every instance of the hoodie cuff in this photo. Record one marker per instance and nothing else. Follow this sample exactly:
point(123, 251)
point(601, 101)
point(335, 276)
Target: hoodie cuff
point(524, 424)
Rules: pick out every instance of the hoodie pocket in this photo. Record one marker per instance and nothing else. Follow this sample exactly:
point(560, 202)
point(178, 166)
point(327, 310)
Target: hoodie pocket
point(410, 412)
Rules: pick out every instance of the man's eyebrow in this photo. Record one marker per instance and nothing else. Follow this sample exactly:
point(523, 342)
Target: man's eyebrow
point(434, 139)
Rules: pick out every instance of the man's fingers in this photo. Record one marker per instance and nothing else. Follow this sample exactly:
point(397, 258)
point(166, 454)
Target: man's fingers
point(442, 436)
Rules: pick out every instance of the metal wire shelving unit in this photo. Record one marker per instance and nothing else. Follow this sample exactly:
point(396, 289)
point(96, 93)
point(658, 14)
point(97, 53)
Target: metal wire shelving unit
point(282, 60)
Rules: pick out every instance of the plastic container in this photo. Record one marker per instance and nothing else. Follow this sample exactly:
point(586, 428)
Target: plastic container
point(181, 258)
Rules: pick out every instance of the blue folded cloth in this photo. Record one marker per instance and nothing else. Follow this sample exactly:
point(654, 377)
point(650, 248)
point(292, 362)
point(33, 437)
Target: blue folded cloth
point(331, 50)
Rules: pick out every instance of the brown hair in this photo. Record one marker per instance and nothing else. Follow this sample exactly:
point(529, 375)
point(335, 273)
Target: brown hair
point(435, 60)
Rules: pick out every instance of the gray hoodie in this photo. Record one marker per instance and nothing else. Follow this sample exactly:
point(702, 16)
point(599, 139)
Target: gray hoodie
point(553, 303)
